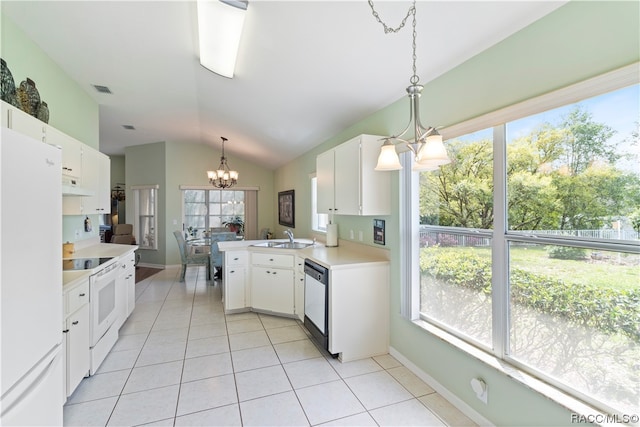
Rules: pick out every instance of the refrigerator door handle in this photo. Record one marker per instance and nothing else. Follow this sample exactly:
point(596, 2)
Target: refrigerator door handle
point(10, 403)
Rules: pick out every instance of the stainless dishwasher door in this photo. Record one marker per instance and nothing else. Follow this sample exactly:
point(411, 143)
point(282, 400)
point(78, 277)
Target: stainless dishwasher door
point(316, 292)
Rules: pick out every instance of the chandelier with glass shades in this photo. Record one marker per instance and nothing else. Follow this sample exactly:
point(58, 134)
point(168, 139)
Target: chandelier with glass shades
point(223, 177)
point(426, 145)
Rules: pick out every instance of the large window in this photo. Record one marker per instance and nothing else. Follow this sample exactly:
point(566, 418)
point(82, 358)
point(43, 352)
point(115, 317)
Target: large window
point(145, 208)
point(207, 209)
point(318, 220)
point(528, 241)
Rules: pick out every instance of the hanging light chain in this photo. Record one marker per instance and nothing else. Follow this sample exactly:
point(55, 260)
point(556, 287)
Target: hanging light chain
point(411, 12)
point(387, 29)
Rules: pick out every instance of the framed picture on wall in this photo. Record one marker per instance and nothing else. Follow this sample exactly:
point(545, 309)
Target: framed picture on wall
point(378, 231)
point(286, 208)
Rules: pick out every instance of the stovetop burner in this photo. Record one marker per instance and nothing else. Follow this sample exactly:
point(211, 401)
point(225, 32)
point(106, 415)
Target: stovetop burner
point(83, 263)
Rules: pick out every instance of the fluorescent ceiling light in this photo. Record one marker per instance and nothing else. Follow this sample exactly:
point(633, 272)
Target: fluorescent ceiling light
point(219, 30)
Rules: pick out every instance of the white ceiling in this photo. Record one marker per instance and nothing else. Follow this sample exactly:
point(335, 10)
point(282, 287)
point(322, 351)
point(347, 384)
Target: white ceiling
point(306, 69)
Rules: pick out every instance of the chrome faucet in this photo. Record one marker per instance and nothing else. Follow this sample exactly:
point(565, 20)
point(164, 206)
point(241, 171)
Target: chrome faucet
point(289, 233)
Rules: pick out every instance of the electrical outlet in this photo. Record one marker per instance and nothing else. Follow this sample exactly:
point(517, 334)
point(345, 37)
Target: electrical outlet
point(351, 235)
point(77, 234)
point(480, 388)
point(360, 235)
point(175, 222)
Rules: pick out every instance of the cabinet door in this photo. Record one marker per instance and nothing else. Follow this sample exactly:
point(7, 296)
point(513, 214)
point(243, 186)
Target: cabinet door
point(272, 289)
point(324, 175)
point(234, 295)
point(95, 176)
point(347, 178)
point(77, 348)
point(375, 189)
point(18, 120)
point(71, 151)
point(130, 285)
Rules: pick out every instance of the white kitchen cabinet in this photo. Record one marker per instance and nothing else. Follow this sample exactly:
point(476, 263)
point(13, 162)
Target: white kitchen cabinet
point(359, 310)
point(125, 287)
point(272, 289)
point(71, 152)
point(272, 282)
point(77, 334)
point(236, 295)
point(347, 181)
point(325, 182)
point(298, 288)
point(129, 261)
point(78, 342)
point(16, 119)
point(96, 177)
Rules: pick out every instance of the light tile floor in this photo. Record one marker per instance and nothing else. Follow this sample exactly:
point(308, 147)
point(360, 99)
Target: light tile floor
point(181, 361)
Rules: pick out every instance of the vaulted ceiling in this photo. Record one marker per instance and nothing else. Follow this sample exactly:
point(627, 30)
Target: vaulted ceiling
point(305, 71)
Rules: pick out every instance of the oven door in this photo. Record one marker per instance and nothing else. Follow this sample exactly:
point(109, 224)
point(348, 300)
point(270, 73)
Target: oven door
point(102, 300)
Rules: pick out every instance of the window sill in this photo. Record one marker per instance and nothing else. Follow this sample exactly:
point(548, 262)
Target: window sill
point(572, 404)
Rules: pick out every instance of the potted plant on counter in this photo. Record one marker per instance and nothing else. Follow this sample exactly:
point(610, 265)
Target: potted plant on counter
point(234, 224)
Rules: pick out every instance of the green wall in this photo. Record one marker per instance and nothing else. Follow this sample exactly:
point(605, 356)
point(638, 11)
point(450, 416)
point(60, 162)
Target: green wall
point(578, 41)
point(172, 164)
point(71, 109)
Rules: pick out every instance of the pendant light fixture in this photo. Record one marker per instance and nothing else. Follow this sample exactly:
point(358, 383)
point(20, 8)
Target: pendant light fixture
point(223, 177)
point(427, 146)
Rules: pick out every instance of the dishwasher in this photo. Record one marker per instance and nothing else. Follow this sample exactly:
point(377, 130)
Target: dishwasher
point(316, 302)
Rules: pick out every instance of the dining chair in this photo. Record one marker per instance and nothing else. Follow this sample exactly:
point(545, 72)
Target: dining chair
point(189, 258)
point(216, 255)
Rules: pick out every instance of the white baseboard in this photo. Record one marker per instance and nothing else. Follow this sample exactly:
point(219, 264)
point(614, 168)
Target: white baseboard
point(443, 391)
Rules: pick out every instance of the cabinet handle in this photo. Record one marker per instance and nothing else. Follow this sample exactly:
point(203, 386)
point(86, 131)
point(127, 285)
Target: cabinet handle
point(232, 271)
point(275, 272)
point(271, 259)
point(75, 323)
point(236, 259)
point(65, 331)
point(81, 295)
point(268, 272)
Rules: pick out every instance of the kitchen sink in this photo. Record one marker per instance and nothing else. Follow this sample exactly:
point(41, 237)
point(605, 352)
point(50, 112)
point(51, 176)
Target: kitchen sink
point(293, 245)
point(267, 244)
point(283, 245)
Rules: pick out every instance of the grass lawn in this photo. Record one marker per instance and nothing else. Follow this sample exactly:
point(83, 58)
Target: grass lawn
point(616, 271)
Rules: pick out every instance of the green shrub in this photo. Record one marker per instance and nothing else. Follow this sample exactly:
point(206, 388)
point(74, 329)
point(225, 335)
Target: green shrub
point(567, 252)
point(609, 310)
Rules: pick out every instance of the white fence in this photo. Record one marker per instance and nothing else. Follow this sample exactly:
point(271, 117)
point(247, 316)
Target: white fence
point(429, 237)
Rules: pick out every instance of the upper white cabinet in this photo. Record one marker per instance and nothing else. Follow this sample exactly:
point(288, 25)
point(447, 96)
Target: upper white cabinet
point(347, 181)
point(16, 119)
point(82, 166)
point(96, 177)
point(71, 151)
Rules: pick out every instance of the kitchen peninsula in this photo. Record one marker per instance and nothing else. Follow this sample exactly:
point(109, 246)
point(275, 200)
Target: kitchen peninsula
point(260, 276)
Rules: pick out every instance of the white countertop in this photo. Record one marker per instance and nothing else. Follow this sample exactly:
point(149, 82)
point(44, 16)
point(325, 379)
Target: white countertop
point(100, 250)
point(347, 254)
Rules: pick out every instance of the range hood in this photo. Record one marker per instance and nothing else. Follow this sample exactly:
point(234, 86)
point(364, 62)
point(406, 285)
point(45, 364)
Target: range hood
point(70, 187)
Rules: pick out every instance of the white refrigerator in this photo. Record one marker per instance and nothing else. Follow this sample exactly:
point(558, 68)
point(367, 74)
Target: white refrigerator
point(30, 282)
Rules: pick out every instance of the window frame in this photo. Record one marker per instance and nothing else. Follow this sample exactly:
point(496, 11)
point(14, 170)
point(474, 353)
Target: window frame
point(137, 215)
point(500, 235)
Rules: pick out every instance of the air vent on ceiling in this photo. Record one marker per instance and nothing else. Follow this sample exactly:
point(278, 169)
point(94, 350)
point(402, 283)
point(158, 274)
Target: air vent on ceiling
point(102, 89)
point(128, 127)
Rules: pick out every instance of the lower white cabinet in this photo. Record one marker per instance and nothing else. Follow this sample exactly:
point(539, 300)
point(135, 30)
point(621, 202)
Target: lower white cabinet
point(76, 335)
point(272, 282)
point(298, 288)
point(235, 285)
point(78, 362)
point(272, 289)
point(129, 263)
point(235, 294)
